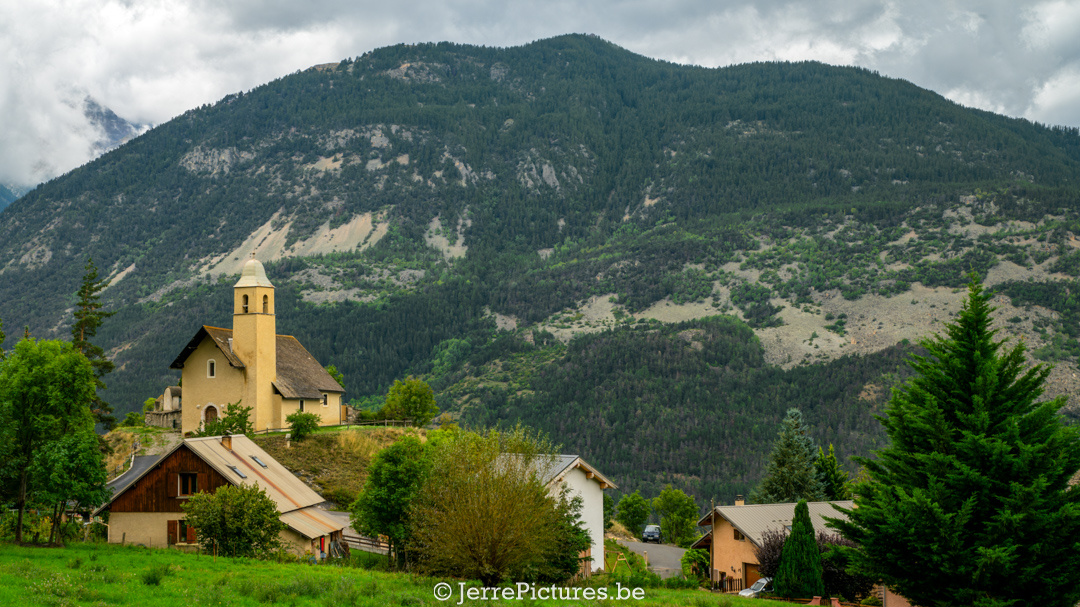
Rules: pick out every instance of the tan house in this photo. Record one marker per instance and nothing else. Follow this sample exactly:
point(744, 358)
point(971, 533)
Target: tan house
point(252, 365)
point(147, 508)
point(734, 532)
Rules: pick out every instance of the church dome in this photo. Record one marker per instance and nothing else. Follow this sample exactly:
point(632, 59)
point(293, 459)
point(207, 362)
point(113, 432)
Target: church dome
point(253, 275)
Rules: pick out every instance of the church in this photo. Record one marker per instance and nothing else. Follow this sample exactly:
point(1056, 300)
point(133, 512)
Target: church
point(252, 365)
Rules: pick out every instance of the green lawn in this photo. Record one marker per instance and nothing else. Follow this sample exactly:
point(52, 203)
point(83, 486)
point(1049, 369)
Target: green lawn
point(99, 574)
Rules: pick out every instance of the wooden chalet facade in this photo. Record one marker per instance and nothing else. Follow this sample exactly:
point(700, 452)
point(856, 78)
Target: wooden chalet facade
point(147, 509)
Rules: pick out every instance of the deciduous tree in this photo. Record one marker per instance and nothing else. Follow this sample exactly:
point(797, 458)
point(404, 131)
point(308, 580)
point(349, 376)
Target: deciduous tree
point(678, 515)
point(633, 511)
point(69, 471)
point(969, 504)
point(485, 512)
point(394, 479)
point(411, 399)
point(237, 520)
point(44, 390)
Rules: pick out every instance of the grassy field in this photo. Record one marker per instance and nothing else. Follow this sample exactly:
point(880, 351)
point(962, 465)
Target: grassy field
point(99, 574)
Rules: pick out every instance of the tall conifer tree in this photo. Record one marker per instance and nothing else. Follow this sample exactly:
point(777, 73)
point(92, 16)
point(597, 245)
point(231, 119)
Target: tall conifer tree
point(800, 562)
point(89, 315)
point(834, 480)
point(969, 504)
point(790, 475)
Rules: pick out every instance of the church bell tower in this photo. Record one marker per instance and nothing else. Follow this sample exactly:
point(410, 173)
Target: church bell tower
point(255, 342)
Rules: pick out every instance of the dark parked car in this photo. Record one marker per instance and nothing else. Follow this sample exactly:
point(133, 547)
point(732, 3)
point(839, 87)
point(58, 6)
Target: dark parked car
point(651, 534)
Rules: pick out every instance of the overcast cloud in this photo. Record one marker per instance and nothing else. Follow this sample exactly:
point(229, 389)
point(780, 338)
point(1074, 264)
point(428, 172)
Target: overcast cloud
point(150, 60)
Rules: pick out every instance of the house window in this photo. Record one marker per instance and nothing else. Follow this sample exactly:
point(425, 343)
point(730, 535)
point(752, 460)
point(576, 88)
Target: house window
point(266, 304)
point(180, 532)
point(237, 471)
point(244, 307)
point(739, 536)
point(258, 461)
point(325, 402)
point(189, 483)
point(301, 405)
point(211, 368)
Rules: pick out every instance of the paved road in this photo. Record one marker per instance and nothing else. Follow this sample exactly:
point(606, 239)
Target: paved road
point(664, 560)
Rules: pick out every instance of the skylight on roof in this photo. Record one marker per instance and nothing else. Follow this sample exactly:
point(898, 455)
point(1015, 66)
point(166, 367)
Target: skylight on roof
point(258, 461)
point(237, 471)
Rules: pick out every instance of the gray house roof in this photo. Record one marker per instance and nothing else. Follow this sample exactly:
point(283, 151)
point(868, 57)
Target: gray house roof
point(754, 519)
point(565, 463)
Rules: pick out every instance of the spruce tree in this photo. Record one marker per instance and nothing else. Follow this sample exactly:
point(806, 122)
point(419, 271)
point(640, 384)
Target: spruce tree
point(969, 504)
point(790, 475)
point(800, 562)
point(88, 317)
point(834, 480)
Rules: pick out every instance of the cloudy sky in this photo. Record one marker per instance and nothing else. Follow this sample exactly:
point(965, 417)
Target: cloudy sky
point(150, 60)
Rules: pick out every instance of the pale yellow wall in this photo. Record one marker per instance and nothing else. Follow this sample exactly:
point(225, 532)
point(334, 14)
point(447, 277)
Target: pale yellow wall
point(727, 552)
point(149, 529)
point(198, 390)
point(255, 343)
point(299, 545)
point(330, 415)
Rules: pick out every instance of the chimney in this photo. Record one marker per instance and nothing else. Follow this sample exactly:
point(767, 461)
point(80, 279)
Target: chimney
point(230, 345)
point(226, 441)
point(739, 501)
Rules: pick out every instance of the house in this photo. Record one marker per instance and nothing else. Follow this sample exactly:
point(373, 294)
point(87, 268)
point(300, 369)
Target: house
point(577, 477)
point(734, 532)
point(146, 505)
point(252, 365)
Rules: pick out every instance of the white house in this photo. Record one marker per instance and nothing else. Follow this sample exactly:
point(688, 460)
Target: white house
point(578, 477)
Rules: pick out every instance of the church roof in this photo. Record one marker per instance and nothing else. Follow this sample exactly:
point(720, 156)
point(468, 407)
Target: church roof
point(221, 340)
point(253, 275)
point(299, 375)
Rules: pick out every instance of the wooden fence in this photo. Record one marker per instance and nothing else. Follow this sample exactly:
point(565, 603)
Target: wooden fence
point(384, 422)
point(367, 544)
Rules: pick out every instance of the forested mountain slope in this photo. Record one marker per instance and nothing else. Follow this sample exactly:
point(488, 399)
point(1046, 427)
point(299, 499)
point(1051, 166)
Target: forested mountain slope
point(446, 210)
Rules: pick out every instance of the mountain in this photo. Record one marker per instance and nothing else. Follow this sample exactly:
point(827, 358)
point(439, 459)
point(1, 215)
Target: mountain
point(8, 194)
point(462, 213)
point(114, 130)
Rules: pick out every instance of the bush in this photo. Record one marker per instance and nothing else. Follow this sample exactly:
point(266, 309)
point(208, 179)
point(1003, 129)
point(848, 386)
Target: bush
point(237, 420)
point(302, 425)
point(154, 575)
point(133, 420)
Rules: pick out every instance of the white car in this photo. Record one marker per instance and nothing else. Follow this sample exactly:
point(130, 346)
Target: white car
point(762, 585)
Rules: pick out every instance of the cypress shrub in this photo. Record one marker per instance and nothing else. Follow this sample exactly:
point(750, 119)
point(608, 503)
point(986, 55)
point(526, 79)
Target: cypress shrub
point(800, 562)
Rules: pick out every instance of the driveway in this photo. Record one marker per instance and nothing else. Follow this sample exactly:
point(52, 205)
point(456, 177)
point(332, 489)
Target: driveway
point(664, 560)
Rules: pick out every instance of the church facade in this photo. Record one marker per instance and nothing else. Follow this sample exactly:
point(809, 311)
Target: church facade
point(252, 365)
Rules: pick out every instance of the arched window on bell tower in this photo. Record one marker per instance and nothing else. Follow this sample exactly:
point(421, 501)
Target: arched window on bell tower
point(245, 308)
point(266, 304)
